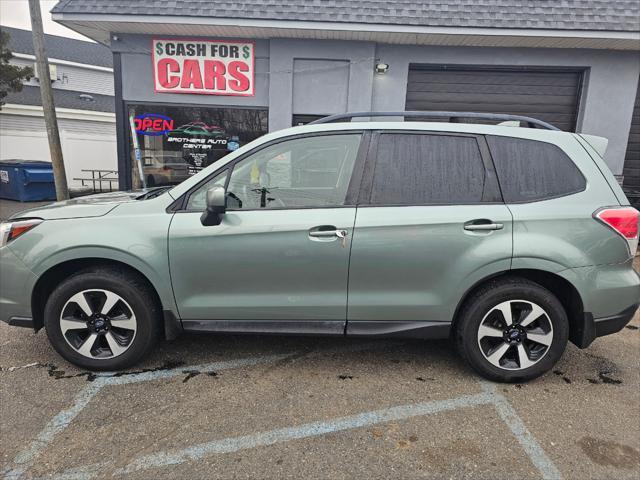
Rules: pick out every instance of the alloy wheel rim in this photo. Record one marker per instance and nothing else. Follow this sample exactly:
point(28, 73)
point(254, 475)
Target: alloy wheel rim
point(98, 324)
point(515, 335)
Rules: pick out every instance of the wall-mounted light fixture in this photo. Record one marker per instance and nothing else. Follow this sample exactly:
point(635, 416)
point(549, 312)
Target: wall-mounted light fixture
point(86, 97)
point(382, 68)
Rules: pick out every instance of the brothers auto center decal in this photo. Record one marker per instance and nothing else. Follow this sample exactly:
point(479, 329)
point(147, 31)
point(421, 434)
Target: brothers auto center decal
point(203, 66)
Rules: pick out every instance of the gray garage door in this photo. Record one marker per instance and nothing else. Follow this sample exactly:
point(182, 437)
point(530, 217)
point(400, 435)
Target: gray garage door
point(632, 160)
point(550, 95)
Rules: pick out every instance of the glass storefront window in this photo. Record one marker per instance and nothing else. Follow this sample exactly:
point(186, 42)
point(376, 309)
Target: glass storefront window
point(298, 120)
point(177, 142)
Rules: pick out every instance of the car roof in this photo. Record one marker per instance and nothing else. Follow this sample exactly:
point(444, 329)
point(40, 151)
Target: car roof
point(469, 128)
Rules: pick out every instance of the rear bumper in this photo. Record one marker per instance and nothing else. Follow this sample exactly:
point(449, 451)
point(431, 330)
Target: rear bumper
point(610, 296)
point(593, 328)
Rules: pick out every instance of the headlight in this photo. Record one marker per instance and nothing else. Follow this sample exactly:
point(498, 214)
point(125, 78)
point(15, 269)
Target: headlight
point(12, 230)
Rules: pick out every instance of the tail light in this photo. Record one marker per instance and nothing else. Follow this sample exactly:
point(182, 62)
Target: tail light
point(624, 221)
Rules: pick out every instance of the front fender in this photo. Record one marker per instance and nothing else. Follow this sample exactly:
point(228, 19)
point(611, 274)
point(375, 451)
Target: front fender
point(158, 279)
point(137, 238)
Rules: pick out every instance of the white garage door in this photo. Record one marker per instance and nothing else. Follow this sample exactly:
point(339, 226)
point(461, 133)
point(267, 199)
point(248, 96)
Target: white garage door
point(86, 145)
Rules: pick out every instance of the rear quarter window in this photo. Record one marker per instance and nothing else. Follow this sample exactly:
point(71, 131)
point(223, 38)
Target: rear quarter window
point(529, 170)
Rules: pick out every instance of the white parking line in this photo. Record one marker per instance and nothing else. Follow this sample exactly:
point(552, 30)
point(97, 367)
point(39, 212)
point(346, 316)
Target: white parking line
point(227, 445)
point(526, 439)
point(489, 396)
point(23, 461)
point(205, 368)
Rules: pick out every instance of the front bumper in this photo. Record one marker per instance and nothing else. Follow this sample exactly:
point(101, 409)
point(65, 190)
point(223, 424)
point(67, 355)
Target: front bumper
point(16, 285)
point(592, 328)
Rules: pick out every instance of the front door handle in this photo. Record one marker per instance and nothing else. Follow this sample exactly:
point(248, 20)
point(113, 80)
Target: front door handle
point(479, 227)
point(328, 233)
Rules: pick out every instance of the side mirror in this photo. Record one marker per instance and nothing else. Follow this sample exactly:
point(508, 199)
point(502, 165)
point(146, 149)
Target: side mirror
point(216, 206)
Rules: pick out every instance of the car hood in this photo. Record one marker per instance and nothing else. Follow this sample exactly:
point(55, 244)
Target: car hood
point(82, 207)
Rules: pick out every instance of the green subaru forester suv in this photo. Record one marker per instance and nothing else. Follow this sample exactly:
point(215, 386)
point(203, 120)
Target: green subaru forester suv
point(509, 240)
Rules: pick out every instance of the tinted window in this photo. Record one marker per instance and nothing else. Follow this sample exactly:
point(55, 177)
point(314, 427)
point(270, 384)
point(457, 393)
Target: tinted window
point(414, 169)
point(529, 170)
point(303, 172)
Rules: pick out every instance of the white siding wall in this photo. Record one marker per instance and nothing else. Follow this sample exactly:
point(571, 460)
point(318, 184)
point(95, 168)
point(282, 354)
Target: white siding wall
point(74, 78)
point(85, 144)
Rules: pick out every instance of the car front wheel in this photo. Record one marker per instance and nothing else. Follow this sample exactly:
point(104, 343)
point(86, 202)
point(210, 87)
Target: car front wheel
point(102, 319)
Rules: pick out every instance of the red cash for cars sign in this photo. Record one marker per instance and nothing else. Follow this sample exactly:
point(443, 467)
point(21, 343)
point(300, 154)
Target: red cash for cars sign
point(208, 67)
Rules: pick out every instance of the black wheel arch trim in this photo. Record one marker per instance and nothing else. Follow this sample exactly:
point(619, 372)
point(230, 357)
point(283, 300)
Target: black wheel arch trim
point(574, 306)
point(172, 325)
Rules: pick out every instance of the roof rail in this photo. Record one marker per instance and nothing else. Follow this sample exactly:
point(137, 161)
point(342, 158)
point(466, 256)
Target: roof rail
point(533, 122)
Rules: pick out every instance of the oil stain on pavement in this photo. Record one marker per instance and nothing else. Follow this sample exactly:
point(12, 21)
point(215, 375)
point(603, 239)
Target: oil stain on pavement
point(607, 453)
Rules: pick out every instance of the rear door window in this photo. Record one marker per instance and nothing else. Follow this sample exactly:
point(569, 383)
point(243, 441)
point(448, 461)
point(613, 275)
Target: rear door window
point(529, 170)
point(424, 169)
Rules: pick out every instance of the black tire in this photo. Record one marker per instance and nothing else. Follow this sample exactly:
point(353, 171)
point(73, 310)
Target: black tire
point(132, 289)
point(483, 300)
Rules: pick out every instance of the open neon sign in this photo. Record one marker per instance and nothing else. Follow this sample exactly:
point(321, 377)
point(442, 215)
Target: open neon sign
point(153, 124)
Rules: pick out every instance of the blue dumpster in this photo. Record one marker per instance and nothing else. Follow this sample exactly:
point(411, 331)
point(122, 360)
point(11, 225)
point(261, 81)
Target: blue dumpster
point(26, 180)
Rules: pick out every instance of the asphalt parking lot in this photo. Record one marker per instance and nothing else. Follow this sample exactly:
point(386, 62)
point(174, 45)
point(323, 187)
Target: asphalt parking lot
point(286, 407)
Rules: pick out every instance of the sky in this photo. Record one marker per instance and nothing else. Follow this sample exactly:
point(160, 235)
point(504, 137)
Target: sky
point(15, 13)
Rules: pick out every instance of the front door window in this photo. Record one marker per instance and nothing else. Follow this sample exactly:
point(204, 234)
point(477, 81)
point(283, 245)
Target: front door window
point(304, 172)
point(300, 173)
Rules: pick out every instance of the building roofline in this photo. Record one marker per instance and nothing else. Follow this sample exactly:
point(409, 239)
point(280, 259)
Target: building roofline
point(59, 61)
point(615, 15)
point(98, 27)
point(82, 52)
point(61, 37)
point(347, 26)
point(63, 98)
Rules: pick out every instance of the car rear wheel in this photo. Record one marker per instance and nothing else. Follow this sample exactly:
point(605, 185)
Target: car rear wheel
point(512, 330)
point(102, 319)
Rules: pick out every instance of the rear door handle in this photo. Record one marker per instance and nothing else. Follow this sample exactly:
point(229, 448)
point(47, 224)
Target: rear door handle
point(476, 227)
